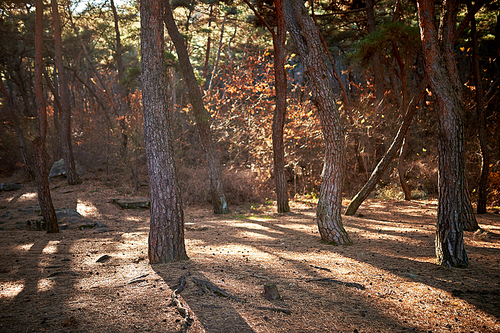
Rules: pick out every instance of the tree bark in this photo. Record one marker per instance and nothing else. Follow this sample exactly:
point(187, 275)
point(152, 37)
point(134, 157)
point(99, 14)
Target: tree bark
point(481, 117)
point(305, 36)
point(67, 148)
point(40, 164)
point(279, 116)
point(390, 154)
point(200, 113)
point(166, 235)
point(444, 80)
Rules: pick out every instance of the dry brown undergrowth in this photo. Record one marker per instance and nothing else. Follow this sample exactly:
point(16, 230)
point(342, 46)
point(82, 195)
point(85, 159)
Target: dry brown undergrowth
point(53, 283)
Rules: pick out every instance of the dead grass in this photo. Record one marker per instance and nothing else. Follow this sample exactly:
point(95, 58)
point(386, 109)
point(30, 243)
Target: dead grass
point(53, 283)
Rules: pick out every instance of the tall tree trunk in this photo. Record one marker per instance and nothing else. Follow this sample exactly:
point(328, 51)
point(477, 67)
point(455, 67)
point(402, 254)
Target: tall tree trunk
point(67, 148)
point(444, 80)
point(201, 114)
point(279, 38)
point(481, 117)
point(378, 70)
point(305, 36)
point(40, 163)
point(166, 235)
point(390, 154)
point(280, 110)
point(216, 65)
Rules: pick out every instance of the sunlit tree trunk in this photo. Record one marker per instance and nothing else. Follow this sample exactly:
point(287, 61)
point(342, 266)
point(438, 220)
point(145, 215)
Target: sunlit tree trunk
point(67, 148)
point(444, 80)
point(40, 163)
point(305, 36)
point(166, 235)
point(280, 110)
point(201, 114)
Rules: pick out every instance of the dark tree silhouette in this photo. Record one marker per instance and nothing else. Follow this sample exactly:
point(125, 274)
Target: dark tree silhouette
point(40, 162)
point(166, 235)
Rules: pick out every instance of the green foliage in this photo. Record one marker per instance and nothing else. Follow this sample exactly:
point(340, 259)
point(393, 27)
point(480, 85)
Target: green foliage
point(406, 37)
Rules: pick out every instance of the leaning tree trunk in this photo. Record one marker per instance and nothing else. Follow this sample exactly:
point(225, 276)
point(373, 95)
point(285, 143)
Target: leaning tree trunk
point(67, 148)
point(443, 75)
point(40, 164)
point(390, 154)
point(306, 39)
point(200, 113)
point(166, 234)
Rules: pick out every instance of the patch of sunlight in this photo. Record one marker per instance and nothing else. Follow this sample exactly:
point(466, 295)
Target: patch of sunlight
point(45, 285)
point(255, 235)
point(295, 226)
point(132, 219)
point(51, 247)
point(24, 247)
point(260, 217)
point(11, 288)
point(28, 196)
point(250, 225)
point(86, 208)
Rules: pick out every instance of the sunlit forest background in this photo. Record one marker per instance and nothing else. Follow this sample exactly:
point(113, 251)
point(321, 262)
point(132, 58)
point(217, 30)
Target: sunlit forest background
point(232, 54)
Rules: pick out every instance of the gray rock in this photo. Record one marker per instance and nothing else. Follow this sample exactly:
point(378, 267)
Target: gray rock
point(59, 169)
point(132, 203)
point(10, 187)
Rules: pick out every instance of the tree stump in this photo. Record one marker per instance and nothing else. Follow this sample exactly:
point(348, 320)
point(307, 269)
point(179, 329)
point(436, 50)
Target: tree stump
point(271, 292)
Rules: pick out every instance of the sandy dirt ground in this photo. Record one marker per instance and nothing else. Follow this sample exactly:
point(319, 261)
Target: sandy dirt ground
point(99, 280)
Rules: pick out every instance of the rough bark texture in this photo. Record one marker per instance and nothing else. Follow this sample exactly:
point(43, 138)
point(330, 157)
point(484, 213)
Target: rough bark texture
point(306, 39)
point(201, 114)
point(280, 110)
point(166, 235)
point(442, 72)
point(67, 148)
point(40, 164)
point(389, 155)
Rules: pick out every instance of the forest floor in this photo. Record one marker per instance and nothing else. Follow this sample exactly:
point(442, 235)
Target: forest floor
point(386, 282)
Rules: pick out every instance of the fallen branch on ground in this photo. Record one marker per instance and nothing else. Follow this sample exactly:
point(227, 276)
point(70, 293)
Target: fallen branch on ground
point(347, 284)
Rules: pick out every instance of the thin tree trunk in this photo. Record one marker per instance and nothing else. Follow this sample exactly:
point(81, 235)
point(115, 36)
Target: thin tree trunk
point(15, 121)
point(209, 42)
point(390, 154)
point(305, 37)
point(401, 169)
point(67, 148)
point(378, 71)
point(40, 164)
point(166, 235)
point(279, 117)
point(216, 65)
point(201, 114)
point(485, 154)
point(442, 72)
